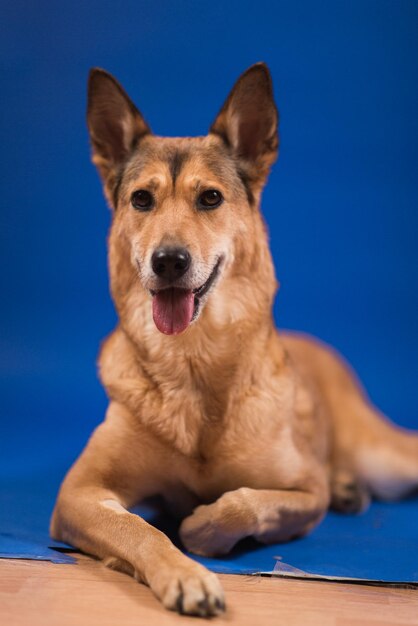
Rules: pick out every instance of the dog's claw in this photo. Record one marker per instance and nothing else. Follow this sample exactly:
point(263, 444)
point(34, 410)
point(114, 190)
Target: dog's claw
point(179, 602)
point(203, 607)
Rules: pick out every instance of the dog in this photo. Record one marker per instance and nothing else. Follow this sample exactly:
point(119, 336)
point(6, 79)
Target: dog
point(241, 430)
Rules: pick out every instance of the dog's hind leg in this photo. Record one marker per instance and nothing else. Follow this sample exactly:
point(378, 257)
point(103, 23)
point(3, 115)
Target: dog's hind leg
point(370, 454)
point(381, 458)
point(387, 460)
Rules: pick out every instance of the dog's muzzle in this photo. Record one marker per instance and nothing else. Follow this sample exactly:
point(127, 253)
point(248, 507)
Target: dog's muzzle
point(174, 308)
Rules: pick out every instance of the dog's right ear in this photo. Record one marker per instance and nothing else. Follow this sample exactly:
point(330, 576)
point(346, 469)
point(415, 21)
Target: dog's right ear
point(115, 126)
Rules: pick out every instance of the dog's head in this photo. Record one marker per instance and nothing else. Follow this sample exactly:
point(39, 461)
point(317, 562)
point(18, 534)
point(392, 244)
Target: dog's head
point(183, 208)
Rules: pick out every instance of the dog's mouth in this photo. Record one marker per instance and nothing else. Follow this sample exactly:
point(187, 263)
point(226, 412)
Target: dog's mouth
point(173, 308)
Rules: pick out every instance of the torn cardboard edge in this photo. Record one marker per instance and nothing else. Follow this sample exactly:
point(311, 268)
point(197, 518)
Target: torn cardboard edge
point(284, 570)
point(59, 555)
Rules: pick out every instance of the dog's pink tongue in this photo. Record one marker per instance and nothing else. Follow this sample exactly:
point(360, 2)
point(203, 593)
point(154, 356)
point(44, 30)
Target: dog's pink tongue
point(172, 310)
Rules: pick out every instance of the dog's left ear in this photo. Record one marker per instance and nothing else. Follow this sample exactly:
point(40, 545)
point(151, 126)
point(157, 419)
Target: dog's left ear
point(248, 121)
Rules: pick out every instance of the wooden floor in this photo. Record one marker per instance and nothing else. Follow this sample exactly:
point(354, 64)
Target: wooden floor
point(35, 593)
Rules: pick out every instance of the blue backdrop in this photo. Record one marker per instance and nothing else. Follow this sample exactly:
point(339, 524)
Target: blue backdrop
point(341, 203)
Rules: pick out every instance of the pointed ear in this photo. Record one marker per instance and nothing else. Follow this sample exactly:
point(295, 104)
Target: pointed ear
point(115, 125)
point(248, 122)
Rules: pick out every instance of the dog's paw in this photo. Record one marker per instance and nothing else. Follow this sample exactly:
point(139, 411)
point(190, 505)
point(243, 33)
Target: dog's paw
point(189, 589)
point(204, 532)
point(349, 496)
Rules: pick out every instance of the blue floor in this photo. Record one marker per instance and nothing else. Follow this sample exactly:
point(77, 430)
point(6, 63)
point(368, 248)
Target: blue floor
point(380, 545)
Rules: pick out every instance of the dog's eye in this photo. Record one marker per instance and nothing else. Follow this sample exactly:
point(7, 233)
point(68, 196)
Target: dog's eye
point(142, 200)
point(209, 199)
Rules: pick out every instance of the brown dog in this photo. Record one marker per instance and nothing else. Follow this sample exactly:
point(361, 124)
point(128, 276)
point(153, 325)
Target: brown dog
point(242, 431)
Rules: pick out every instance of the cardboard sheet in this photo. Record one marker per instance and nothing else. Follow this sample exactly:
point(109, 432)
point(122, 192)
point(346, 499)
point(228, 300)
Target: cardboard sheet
point(381, 545)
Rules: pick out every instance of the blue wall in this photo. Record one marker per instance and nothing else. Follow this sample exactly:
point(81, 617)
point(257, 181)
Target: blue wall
point(342, 203)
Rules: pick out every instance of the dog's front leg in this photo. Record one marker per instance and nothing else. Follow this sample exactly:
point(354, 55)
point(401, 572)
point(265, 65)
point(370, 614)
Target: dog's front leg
point(267, 515)
point(119, 466)
point(95, 520)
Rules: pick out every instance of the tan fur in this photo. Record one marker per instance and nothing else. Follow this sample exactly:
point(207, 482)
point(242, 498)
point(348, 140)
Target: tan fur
point(241, 430)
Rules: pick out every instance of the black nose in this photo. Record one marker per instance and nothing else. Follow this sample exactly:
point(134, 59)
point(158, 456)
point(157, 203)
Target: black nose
point(170, 263)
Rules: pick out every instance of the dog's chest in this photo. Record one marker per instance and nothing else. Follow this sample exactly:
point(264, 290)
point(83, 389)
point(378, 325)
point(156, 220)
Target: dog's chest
point(267, 460)
point(263, 440)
